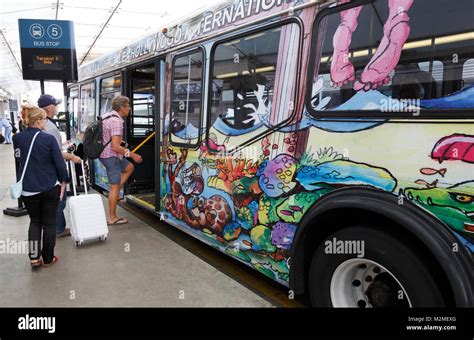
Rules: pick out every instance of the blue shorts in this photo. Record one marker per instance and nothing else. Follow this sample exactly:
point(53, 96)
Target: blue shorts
point(114, 167)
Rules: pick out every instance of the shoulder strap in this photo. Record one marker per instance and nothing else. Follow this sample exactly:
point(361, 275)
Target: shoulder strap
point(102, 127)
point(102, 119)
point(28, 157)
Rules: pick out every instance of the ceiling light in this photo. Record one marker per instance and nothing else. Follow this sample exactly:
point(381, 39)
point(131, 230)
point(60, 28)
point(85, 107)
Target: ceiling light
point(416, 44)
point(261, 70)
point(453, 38)
point(254, 36)
point(360, 53)
point(227, 75)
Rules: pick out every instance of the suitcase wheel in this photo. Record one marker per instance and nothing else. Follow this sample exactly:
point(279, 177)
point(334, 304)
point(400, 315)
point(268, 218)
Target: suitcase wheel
point(102, 238)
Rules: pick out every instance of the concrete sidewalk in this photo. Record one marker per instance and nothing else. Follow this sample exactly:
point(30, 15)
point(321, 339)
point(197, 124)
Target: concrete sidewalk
point(137, 266)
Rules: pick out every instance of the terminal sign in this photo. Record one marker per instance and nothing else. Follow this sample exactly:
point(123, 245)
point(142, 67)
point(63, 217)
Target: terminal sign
point(47, 49)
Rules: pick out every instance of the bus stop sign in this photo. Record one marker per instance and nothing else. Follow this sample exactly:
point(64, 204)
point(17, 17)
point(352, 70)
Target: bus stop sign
point(48, 50)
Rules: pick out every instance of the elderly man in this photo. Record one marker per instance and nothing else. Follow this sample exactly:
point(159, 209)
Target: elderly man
point(118, 167)
point(50, 105)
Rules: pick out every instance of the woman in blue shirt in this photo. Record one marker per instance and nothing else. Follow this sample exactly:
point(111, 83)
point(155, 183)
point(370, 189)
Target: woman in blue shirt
point(43, 184)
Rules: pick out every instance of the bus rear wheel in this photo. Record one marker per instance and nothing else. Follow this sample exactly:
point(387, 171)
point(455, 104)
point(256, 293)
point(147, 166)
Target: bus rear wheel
point(364, 267)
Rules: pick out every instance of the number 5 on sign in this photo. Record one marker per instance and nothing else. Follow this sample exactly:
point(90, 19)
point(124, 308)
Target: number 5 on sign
point(55, 31)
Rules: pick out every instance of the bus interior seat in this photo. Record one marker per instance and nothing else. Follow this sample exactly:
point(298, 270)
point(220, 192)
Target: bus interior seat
point(409, 82)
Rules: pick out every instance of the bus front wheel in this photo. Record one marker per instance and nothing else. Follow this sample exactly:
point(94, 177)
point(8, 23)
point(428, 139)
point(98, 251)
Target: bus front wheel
point(365, 267)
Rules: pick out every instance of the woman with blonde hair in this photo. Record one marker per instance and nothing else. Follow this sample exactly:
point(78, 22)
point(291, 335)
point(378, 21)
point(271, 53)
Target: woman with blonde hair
point(44, 183)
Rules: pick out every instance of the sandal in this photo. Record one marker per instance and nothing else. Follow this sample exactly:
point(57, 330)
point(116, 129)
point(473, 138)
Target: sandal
point(118, 221)
point(36, 263)
point(55, 259)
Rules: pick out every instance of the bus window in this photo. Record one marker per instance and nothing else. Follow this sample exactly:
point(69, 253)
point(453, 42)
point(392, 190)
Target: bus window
point(143, 89)
point(73, 108)
point(369, 55)
point(436, 69)
point(248, 71)
point(87, 106)
point(109, 89)
point(186, 99)
point(468, 73)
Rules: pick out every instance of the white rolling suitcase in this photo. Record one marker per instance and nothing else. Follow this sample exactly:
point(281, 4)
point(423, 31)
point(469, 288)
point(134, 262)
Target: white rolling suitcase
point(87, 214)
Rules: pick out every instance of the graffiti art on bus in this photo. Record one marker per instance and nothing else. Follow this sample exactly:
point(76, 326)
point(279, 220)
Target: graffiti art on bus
point(462, 99)
point(376, 72)
point(453, 205)
point(270, 196)
point(250, 207)
point(457, 201)
point(458, 147)
point(373, 100)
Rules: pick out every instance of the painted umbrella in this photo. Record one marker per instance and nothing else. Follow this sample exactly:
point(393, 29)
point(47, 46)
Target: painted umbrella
point(454, 147)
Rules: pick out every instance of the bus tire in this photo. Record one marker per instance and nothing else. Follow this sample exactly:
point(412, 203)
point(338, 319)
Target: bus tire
point(379, 270)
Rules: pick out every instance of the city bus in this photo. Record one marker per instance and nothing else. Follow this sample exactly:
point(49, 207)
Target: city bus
point(329, 145)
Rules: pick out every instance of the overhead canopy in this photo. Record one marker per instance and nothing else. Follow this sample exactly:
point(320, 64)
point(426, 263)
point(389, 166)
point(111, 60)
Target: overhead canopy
point(100, 27)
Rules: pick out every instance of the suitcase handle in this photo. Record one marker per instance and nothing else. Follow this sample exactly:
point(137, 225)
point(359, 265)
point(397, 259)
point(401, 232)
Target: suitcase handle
point(73, 173)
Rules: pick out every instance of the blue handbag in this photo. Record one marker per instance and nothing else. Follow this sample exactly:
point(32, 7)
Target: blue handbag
point(17, 188)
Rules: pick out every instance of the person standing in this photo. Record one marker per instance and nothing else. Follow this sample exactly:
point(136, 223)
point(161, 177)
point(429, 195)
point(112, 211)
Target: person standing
point(112, 157)
point(44, 184)
point(6, 124)
point(21, 126)
point(50, 105)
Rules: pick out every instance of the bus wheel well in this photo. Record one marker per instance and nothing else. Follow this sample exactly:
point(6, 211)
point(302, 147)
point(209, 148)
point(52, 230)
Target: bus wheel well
point(336, 219)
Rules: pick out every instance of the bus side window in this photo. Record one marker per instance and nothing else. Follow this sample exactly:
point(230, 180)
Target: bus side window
point(468, 73)
point(109, 89)
point(361, 68)
point(253, 80)
point(186, 101)
point(87, 114)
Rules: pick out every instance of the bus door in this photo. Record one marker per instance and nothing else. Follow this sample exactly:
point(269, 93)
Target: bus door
point(141, 125)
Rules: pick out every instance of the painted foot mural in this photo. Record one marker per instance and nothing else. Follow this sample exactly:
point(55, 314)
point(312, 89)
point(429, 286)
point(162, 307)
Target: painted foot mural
point(387, 56)
point(342, 71)
point(396, 31)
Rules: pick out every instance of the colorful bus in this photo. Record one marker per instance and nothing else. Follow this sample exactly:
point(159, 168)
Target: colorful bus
point(329, 145)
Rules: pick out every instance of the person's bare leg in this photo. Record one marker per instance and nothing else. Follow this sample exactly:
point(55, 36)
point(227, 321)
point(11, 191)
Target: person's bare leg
point(126, 174)
point(396, 31)
point(342, 70)
point(113, 201)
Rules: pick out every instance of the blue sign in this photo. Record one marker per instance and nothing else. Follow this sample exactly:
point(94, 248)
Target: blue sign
point(48, 51)
point(36, 33)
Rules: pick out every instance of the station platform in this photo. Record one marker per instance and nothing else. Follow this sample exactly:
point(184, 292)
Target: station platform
point(136, 267)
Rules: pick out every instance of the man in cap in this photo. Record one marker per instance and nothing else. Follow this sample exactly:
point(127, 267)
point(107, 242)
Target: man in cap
point(50, 105)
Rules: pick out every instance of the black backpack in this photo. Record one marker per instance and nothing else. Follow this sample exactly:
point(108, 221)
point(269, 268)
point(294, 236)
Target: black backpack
point(92, 143)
